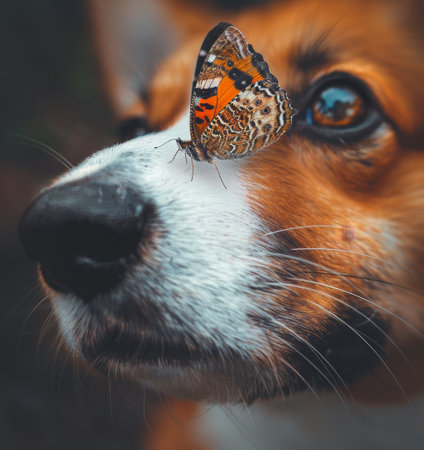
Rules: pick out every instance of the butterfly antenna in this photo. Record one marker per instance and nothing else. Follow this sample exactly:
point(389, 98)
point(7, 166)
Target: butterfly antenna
point(170, 140)
point(217, 171)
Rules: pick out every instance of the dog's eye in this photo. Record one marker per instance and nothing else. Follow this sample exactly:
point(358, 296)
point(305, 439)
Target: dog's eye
point(336, 106)
point(339, 108)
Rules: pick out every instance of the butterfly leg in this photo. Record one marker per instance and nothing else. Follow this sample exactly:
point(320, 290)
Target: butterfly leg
point(176, 153)
point(216, 167)
point(192, 167)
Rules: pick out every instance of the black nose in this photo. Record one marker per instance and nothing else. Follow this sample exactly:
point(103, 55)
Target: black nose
point(86, 235)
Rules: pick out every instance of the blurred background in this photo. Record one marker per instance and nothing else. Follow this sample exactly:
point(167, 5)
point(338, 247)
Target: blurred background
point(50, 92)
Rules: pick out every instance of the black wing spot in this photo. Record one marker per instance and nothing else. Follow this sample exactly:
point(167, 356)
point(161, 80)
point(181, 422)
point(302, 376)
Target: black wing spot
point(230, 63)
point(241, 79)
point(267, 128)
point(199, 120)
point(258, 102)
point(199, 109)
point(266, 111)
point(205, 93)
point(234, 73)
point(207, 105)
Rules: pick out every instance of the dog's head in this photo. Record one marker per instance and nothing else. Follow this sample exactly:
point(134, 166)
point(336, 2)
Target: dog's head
point(303, 272)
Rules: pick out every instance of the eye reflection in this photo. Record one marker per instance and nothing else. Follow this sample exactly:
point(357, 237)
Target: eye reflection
point(336, 106)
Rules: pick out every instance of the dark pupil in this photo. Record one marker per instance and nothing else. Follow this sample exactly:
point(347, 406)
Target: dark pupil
point(336, 106)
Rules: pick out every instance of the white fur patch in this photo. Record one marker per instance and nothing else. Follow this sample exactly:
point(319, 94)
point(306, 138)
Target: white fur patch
point(203, 265)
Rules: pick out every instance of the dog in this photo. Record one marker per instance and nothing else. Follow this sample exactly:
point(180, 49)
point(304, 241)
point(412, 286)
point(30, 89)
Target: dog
point(297, 287)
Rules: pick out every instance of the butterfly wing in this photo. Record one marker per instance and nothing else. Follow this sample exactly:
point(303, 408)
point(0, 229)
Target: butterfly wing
point(226, 66)
point(254, 119)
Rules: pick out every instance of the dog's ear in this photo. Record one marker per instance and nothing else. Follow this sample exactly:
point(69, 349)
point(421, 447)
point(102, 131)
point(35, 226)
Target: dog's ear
point(131, 38)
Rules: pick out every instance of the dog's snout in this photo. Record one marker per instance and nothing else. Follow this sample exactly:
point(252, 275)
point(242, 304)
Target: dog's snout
point(86, 235)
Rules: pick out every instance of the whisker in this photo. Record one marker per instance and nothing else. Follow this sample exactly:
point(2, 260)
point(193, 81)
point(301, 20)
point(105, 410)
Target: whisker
point(54, 351)
point(314, 392)
point(357, 334)
point(26, 297)
point(335, 316)
point(146, 422)
point(377, 280)
point(322, 358)
point(273, 363)
point(239, 427)
point(356, 253)
point(37, 305)
point(366, 318)
point(305, 227)
point(346, 276)
point(329, 271)
point(320, 266)
point(61, 374)
point(109, 386)
point(375, 304)
point(290, 366)
point(43, 147)
point(248, 412)
point(47, 325)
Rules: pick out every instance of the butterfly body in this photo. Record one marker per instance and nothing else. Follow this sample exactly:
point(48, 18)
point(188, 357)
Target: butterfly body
point(237, 106)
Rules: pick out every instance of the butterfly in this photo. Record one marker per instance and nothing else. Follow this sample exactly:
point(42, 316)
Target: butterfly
point(237, 106)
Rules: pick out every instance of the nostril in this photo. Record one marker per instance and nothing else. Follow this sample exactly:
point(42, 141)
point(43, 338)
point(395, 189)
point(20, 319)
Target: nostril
point(85, 235)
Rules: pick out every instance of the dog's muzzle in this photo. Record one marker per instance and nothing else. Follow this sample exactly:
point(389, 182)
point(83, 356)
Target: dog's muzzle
point(86, 235)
